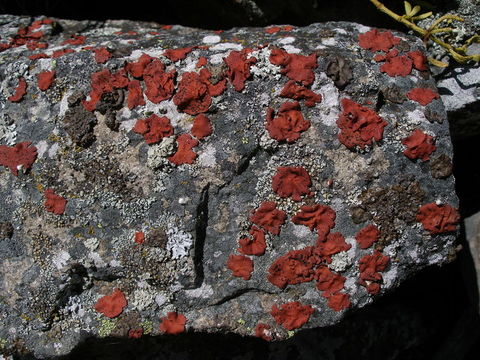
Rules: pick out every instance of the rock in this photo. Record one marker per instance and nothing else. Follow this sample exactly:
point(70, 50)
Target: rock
point(158, 241)
point(472, 233)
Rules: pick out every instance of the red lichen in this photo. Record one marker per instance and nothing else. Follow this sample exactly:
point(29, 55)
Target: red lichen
point(20, 91)
point(241, 266)
point(275, 29)
point(202, 61)
point(297, 92)
point(331, 244)
point(438, 219)
point(423, 96)
point(254, 245)
point(359, 125)
point(419, 145)
point(112, 305)
point(19, 156)
point(263, 331)
point(135, 333)
point(153, 128)
point(38, 56)
point(194, 94)
point(288, 124)
point(177, 54)
point(75, 40)
point(136, 68)
point(45, 79)
point(173, 323)
point(102, 55)
point(292, 315)
point(320, 217)
point(184, 154)
point(328, 281)
point(397, 65)
point(295, 67)
point(54, 203)
point(291, 182)
point(139, 237)
point(201, 127)
point(58, 53)
point(419, 60)
point(104, 82)
point(239, 67)
point(160, 85)
point(377, 41)
point(135, 94)
point(367, 236)
point(370, 267)
point(268, 217)
point(338, 301)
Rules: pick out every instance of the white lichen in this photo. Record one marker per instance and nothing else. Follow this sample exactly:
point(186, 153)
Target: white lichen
point(340, 261)
point(179, 242)
point(158, 152)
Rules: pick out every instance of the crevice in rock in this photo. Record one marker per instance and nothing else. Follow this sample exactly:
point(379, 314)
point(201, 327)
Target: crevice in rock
point(244, 162)
point(201, 223)
point(239, 293)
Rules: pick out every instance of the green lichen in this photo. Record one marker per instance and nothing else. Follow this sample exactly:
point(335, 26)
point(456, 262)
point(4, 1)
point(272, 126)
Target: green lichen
point(106, 327)
point(241, 321)
point(290, 333)
point(147, 327)
point(3, 343)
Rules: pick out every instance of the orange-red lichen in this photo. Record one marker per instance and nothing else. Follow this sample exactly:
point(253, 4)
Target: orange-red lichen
point(292, 315)
point(288, 124)
point(319, 217)
point(328, 281)
point(19, 156)
point(291, 181)
point(268, 217)
point(135, 333)
point(135, 94)
point(74, 40)
point(419, 145)
point(438, 219)
point(139, 237)
point(184, 154)
point(338, 301)
point(331, 244)
point(295, 67)
point(201, 127)
point(419, 60)
point(54, 203)
point(111, 305)
point(136, 68)
point(239, 67)
point(202, 61)
point(254, 245)
point(61, 52)
point(102, 55)
point(359, 125)
point(241, 266)
point(297, 92)
point(377, 41)
point(104, 82)
point(173, 323)
point(160, 85)
point(177, 54)
point(263, 331)
point(20, 91)
point(397, 65)
point(45, 79)
point(367, 236)
point(423, 96)
point(153, 128)
point(38, 56)
point(370, 267)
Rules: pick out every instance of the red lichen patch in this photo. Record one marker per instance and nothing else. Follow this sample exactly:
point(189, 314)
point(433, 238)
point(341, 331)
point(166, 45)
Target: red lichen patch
point(135, 333)
point(268, 217)
point(201, 127)
point(136, 68)
point(239, 67)
point(58, 53)
point(54, 203)
point(104, 82)
point(367, 236)
point(275, 29)
point(419, 145)
point(135, 94)
point(33, 45)
point(338, 301)
point(26, 35)
point(295, 267)
point(423, 96)
point(139, 237)
point(19, 156)
point(202, 61)
point(292, 315)
point(291, 182)
point(328, 281)
point(75, 40)
point(177, 54)
point(377, 41)
point(370, 267)
point(102, 55)
point(20, 91)
point(173, 323)
point(359, 125)
point(255, 245)
point(295, 67)
point(184, 154)
point(160, 85)
point(153, 128)
point(38, 56)
point(297, 92)
point(263, 331)
point(112, 305)
point(331, 244)
point(419, 60)
point(288, 124)
point(320, 217)
point(438, 219)
point(45, 79)
point(194, 94)
point(397, 65)
point(241, 266)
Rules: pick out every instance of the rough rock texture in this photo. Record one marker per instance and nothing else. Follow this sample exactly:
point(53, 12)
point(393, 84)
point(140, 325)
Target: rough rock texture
point(148, 241)
point(472, 233)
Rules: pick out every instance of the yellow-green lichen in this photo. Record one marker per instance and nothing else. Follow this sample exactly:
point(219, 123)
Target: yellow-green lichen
point(147, 327)
point(106, 327)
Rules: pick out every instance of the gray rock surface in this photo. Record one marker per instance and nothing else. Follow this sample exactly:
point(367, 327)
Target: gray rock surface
point(57, 264)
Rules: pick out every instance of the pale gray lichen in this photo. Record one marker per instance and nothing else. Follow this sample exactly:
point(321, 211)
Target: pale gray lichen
point(179, 242)
point(157, 153)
